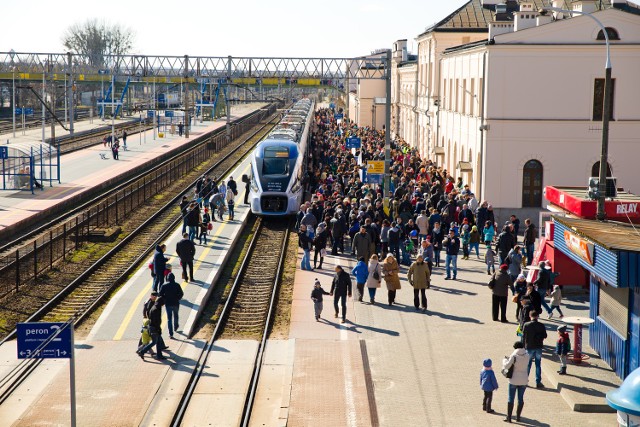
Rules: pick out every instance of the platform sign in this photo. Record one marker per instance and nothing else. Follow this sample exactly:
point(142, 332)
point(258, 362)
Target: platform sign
point(168, 113)
point(353, 142)
point(18, 111)
point(375, 167)
point(4, 152)
point(28, 111)
point(150, 114)
point(375, 178)
point(33, 335)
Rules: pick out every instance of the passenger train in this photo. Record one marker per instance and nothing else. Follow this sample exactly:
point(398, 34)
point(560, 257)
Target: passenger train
point(278, 164)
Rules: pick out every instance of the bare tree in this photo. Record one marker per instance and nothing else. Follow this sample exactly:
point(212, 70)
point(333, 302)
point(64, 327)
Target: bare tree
point(98, 39)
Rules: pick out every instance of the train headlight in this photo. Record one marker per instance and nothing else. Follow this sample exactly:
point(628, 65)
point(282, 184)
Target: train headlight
point(254, 186)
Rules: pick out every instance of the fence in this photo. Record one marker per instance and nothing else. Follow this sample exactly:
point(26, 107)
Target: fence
point(30, 261)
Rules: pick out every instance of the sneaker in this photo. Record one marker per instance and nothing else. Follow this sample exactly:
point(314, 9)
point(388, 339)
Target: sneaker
point(336, 316)
point(550, 315)
point(447, 278)
point(561, 316)
point(160, 358)
point(539, 385)
point(344, 321)
point(317, 317)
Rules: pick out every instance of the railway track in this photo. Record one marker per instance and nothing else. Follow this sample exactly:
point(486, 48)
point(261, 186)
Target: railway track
point(249, 308)
point(78, 299)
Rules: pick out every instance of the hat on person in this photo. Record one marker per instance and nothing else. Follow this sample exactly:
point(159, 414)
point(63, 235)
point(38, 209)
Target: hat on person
point(562, 328)
point(487, 363)
point(171, 277)
point(316, 283)
point(520, 277)
point(154, 294)
point(504, 267)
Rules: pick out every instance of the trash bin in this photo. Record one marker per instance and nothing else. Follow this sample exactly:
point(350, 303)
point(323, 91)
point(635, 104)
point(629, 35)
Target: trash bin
point(626, 400)
point(160, 134)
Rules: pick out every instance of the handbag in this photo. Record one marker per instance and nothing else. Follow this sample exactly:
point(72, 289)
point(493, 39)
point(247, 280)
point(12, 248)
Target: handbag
point(376, 274)
point(508, 373)
point(492, 282)
point(323, 252)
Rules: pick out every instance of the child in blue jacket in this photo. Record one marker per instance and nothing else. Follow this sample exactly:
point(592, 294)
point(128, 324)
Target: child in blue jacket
point(361, 271)
point(488, 383)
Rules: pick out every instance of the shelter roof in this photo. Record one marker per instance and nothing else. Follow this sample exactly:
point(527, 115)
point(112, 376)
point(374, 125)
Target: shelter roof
point(612, 235)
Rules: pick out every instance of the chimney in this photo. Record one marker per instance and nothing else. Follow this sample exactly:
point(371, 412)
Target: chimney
point(525, 17)
point(586, 6)
point(500, 27)
point(400, 50)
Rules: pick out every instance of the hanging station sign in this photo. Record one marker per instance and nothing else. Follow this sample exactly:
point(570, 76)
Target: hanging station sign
point(579, 246)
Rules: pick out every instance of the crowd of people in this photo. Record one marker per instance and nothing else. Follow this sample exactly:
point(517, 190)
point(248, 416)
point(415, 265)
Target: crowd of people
point(431, 215)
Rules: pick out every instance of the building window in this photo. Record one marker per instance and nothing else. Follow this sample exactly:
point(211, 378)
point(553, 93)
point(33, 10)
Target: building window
point(613, 308)
point(450, 94)
point(472, 102)
point(481, 97)
point(595, 169)
point(532, 184)
point(457, 95)
point(611, 32)
point(464, 96)
point(598, 99)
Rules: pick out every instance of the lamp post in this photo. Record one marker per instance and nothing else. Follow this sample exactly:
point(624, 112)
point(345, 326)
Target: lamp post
point(602, 180)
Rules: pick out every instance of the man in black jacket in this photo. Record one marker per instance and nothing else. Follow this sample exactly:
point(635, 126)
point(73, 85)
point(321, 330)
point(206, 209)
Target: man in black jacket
point(340, 288)
point(155, 329)
point(172, 294)
point(505, 243)
point(529, 240)
point(543, 284)
point(533, 335)
point(451, 244)
point(186, 250)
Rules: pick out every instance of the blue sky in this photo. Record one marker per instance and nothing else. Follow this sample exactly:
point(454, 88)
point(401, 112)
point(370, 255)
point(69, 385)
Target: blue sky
point(330, 28)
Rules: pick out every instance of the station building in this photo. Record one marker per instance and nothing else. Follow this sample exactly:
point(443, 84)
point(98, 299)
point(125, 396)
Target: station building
point(510, 99)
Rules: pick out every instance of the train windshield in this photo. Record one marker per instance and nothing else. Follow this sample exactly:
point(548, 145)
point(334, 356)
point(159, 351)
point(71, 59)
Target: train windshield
point(276, 161)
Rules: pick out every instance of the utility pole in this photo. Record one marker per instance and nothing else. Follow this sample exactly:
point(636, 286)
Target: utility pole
point(387, 133)
point(70, 91)
point(604, 163)
point(53, 107)
point(186, 97)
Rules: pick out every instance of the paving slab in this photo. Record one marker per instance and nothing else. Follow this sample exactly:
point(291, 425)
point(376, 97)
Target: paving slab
point(424, 367)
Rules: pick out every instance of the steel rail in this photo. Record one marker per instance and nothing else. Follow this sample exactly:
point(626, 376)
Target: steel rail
point(111, 253)
point(110, 191)
point(201, 363)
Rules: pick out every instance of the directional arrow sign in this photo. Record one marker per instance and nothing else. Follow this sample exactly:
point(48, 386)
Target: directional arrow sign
point(353, 142)
point(33, 336)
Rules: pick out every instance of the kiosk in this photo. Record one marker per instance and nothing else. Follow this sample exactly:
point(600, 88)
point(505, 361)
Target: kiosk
point(610, 253)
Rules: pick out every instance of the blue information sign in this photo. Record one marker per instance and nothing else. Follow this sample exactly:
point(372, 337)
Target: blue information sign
point(33, 335)
point(338, 116)
point(19, 111)
point(375, 178)
point(150, 114)
point(353, 142)
point(28, 111)
point(4, 152)
point(168, 113)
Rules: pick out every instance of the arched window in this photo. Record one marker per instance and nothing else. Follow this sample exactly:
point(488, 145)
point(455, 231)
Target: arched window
point(611, 32)
point(595, 169)
point(532, 184)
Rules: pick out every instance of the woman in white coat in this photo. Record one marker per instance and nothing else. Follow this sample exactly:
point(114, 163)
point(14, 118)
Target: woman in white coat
point(519, 380)
point(375, 277)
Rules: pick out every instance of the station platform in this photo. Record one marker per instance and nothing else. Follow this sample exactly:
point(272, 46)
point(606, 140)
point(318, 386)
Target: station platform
point(83, 170)
point(114, 386)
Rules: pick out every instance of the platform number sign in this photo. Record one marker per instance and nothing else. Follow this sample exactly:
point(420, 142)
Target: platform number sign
point(353, 142)
point(4, 153)
point(53, 340)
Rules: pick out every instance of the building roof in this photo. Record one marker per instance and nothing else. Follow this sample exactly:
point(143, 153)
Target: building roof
point(612, 235)
point(474, 17)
